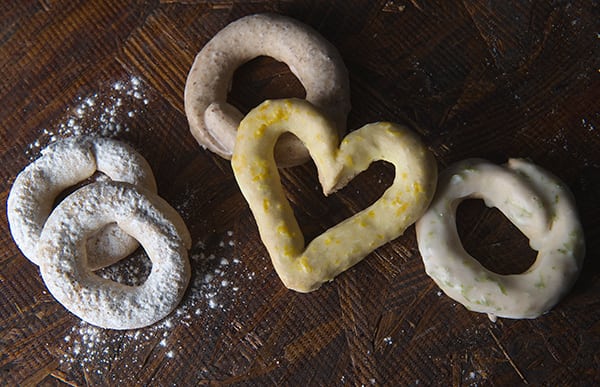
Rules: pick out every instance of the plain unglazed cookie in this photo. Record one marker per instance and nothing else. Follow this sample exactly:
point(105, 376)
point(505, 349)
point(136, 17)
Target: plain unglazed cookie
point(535, 201)
point(64, 164)
point(102, 302)
point(311, 58)
point(305, 267)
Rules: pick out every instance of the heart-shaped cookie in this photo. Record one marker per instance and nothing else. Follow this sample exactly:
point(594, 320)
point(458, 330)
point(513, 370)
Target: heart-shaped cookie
point(305, 268)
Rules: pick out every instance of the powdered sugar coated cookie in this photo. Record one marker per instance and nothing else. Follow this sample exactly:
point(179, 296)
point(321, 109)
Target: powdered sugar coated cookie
point(64, 164)
point(102, 302)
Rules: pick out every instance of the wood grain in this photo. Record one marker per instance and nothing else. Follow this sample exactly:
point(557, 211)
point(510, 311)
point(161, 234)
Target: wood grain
point(474, 78)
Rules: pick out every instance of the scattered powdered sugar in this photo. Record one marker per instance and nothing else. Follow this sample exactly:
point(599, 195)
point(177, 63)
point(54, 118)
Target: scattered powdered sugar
point(587, 124)
point(104, 114)
point(131, 271)
point(211, 291)
point(472, 378)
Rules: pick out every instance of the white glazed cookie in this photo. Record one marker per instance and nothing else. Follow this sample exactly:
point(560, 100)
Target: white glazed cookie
point(313, 60)
point(64, 164)
point(101, 302)
point(535, 201)
point(305, 268)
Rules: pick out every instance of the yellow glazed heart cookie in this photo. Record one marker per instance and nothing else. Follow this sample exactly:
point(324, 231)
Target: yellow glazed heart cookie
point(305, 268)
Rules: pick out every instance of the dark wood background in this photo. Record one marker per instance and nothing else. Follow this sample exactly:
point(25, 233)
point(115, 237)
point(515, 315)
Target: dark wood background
point(489, 79)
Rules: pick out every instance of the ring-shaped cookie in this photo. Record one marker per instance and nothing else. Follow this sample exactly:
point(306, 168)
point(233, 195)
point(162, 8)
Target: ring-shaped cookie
point(535, 201)
point(99, 301)
point(64, 164)
point(311, 58)
point(305, 267)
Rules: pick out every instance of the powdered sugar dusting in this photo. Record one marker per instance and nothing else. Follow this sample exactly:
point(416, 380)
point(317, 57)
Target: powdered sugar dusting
point(105, 114)
point(211, 292)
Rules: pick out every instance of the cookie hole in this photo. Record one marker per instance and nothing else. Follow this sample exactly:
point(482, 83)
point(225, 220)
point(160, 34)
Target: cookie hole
point(260, 79)
point(315, 212)
point(132, 270)
point(492, 239)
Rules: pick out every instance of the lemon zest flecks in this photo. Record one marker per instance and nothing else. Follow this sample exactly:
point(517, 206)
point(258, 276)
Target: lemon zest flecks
point(402, 206)
point(392, 130)
point(288, 250)
point(278, 116)
point(284, 230)
point(260, 131)
point(267, 120)
point(417, 188)
point(303, 261)
point(349, 160)
point(261, 170)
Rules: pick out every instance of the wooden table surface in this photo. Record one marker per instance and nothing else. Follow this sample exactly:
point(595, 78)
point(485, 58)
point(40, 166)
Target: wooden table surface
point(489, 79)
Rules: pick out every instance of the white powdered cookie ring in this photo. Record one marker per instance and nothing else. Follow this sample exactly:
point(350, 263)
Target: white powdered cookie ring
point(535, 201)
point(305, 268)
point(64, 164)
point(312, 59)
point(102, 302)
